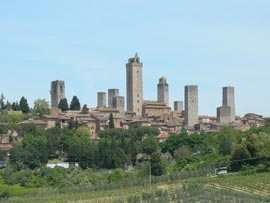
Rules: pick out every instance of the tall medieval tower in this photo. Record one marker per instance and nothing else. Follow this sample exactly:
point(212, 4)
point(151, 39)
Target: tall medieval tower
point(191, 106)
point(134, 85)
point(57, 92)
point(163, 91)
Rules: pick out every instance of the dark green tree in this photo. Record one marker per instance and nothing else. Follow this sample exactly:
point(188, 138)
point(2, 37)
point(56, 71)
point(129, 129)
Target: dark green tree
point(15, 106)
point(75, 103)
point(157, 166)
point(149, 145)
point(63, 104)
point(85, 110)
point(2, 103)
point(225, 146)
point(111, 121)
point(24, 105)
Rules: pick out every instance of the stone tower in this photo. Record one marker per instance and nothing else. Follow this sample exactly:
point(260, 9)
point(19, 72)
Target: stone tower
point(226, 112)
point(228, 100)
point(178, 106)
point(134, 85)
point(191, 105)
point(112, 93)
point(119, 104)
point(101, 99)
point(163, 91)
point(57, 92)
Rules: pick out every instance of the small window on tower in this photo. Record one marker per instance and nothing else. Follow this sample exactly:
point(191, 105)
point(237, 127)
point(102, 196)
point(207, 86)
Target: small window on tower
point(138, 95)
point(138, 101)
point(137, 71)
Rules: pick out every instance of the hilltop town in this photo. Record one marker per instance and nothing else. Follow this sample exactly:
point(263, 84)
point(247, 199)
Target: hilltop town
point(133, 111)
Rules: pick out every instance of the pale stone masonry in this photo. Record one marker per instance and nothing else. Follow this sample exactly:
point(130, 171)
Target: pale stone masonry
point(163, 91)
point(57, 92)
point(191, 105)
point(118, 102)
point(228, 100)
point(178, 106)
point(226, 113)
point(134, 85)
point(101, 99)
point(112, 93)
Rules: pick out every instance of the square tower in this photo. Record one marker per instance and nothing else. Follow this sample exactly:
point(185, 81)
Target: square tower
point(178, 106)
point(112, 93)
point(191, 106)
point(119, 104)
point(57, 92)
point(134, 85)
point(163, 91)
point(101, 99)
point(228, 100)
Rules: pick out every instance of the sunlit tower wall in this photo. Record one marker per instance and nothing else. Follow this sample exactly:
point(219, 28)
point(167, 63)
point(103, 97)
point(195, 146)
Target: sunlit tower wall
point(163, 91)
point(134, 85)
point(191, 105)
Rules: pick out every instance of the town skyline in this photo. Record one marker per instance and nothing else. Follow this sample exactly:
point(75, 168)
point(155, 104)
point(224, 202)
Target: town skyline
point(202, 45)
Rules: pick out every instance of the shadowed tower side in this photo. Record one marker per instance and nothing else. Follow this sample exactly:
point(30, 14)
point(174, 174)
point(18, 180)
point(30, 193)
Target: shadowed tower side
point(57, 92)
point(134, 85)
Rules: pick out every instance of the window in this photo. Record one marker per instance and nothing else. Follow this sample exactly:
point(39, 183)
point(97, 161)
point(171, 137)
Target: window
point(138, 101)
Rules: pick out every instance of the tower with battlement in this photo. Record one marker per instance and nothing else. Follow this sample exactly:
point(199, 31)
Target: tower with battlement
point(163, 91)
point(112, 93)
point(134, 85)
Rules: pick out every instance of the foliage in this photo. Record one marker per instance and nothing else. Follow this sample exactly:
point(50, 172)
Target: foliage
point(85, 110)
point(24, 105)
point(75, 103)
point(157, 165)
point(41, 107)
point(63, 104)
point(111, 121)
point(149, 145)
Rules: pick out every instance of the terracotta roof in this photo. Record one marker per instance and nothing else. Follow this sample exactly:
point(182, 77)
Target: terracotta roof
point(163, 136)
point(5, 147)
point(35, 122)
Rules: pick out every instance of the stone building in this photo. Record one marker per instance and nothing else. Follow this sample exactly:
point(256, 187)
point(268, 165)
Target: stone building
point(191, 105)
point(134, 85)
point(57, 92)
point(112, 93)
point(153, 108)
point(163, 91)
point(101, 99)
point(178, 106)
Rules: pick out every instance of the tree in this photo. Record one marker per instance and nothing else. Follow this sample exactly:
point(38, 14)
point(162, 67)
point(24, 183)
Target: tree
point(15, 106)
point(75, 104)
point(24, 105)
point(2, 104)
point(149, 145)
point(111, 121)
point(225, 146)
point(63, 104)
point(85, 110)
point(41, 107)
point(157, 166)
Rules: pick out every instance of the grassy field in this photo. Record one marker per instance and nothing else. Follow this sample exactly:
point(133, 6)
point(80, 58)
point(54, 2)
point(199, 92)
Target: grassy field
point(230, 188)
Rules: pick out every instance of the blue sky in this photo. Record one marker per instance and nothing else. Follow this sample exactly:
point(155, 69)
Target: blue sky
point(87, 44)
